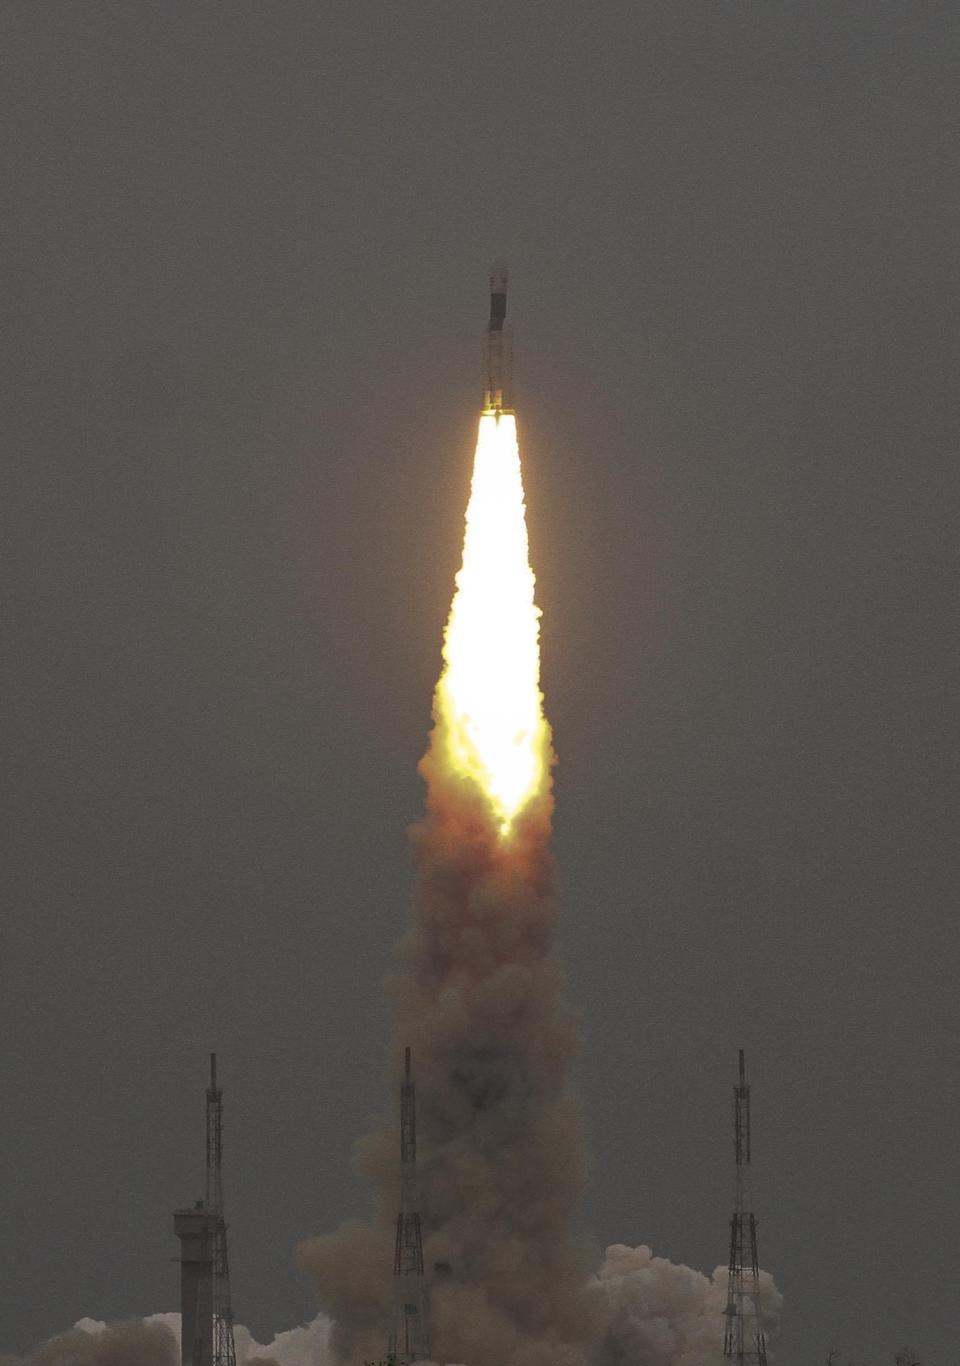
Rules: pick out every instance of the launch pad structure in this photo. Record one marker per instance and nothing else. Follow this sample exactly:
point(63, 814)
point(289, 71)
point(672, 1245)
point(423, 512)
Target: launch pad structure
point(206, 1316)
point(743, 1338)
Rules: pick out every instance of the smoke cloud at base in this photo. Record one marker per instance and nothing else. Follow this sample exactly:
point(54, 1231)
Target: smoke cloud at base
point(155, 1341)
point(134, 1342)
point(646, 1311)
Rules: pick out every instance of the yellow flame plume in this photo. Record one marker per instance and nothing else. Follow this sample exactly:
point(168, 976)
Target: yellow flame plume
point(488, 699)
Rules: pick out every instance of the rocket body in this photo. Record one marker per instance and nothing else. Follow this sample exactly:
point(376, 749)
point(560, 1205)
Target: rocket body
point(498, 348)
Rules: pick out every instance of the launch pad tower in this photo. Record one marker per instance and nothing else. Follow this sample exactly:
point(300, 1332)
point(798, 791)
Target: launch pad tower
point(743, 1338)
point(410, 1336)
point(206, 1318)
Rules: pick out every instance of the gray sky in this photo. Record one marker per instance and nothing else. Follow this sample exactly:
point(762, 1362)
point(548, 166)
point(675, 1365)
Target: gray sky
point(244, 270)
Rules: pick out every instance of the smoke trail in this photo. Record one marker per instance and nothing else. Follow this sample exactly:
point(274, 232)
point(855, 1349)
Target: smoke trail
point(479, 1000)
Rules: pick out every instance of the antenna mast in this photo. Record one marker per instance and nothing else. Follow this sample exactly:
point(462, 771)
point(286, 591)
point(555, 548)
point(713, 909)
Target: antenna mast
point(743, 1338)
point(410, 1337)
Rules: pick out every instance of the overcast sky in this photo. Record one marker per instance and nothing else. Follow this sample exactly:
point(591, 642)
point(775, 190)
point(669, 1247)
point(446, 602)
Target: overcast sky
point(245, 251)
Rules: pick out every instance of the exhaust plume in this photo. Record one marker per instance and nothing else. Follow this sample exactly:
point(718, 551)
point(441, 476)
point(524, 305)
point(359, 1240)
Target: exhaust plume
point(479, 999)
point(490, 727)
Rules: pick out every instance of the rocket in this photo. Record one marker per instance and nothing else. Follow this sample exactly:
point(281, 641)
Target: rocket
point(497, 348)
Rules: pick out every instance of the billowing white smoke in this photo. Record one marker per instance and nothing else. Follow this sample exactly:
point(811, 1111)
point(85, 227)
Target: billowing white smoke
point(135, 1342)
point(658, 1313)
point(308, 1345)
point(155, 1341)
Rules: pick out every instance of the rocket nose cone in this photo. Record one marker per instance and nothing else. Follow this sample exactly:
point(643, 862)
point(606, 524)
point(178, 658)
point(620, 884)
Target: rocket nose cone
point(498, 277)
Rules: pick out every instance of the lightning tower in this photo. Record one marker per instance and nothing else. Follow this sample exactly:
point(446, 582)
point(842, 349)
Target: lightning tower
point(206, 1318)
point(410, 1337)
point(743, 1338)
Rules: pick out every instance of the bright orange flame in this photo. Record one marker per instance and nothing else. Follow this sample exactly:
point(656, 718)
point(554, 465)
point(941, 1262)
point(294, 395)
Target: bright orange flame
point(488, 699)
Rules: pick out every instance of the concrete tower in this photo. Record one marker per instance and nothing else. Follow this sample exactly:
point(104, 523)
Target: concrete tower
point(206, 1317)
point(192, 1227)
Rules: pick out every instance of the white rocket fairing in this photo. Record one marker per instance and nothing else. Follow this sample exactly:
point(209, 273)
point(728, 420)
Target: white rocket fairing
point(498, 348)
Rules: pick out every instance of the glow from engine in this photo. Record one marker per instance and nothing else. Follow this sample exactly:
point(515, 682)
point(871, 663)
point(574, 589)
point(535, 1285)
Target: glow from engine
point(488, 698)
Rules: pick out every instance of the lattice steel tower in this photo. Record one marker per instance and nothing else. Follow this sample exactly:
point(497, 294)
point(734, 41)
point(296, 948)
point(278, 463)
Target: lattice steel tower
point(410, 1336)
point(743, 1335)
point(206, 1319)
